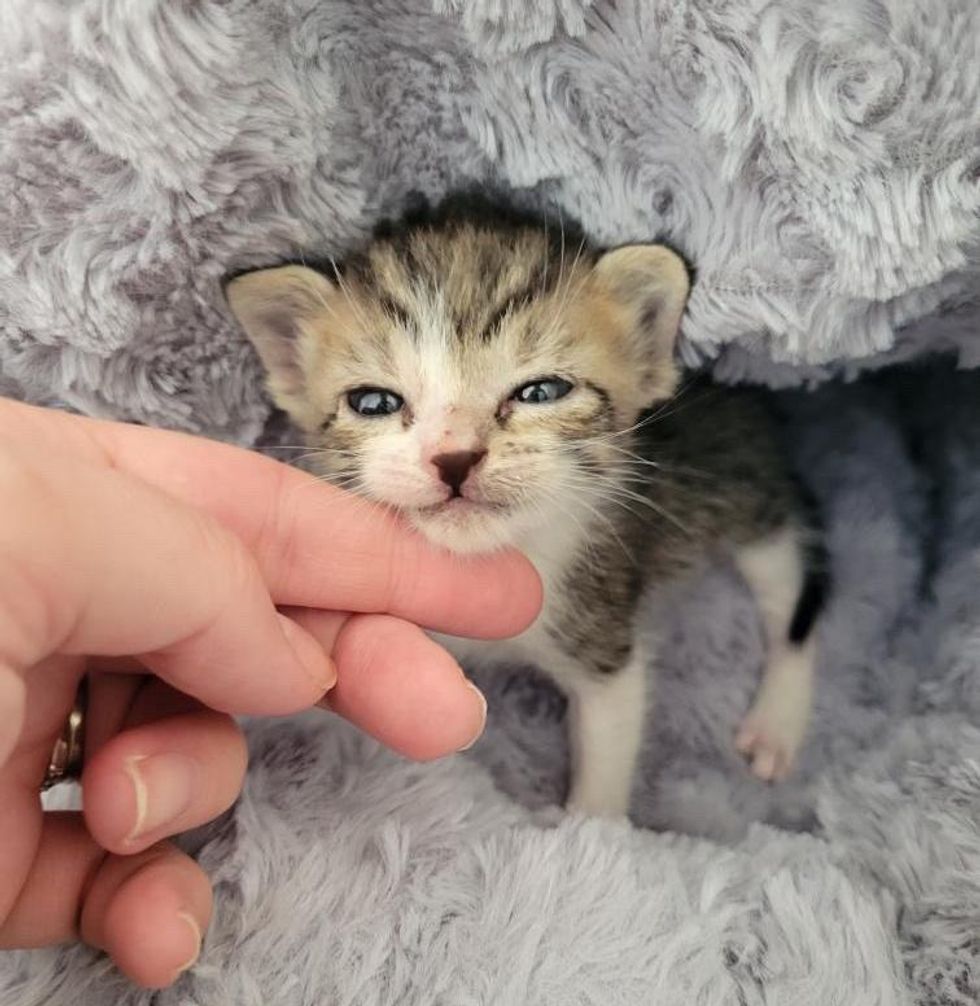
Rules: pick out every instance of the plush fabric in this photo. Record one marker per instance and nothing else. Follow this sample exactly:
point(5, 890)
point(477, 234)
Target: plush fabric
point(818, 163)
point(819, 166)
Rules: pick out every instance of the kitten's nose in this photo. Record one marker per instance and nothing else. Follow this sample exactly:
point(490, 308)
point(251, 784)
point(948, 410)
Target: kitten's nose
point(453, 468)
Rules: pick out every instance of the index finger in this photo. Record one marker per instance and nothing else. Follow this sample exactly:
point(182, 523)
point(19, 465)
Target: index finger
point(317, 546)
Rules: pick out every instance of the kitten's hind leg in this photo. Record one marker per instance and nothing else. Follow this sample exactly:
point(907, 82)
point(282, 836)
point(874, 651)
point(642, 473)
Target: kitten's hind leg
point(772, 732)
point(607, 717)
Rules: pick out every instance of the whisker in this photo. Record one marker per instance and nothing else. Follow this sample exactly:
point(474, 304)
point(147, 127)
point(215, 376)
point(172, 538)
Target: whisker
point(305, 447)
point(599, 515)
point(654, 507)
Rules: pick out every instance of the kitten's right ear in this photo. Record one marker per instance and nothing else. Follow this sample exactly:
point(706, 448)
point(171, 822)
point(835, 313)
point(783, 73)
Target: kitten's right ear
point(278, 309)
point(651, 282)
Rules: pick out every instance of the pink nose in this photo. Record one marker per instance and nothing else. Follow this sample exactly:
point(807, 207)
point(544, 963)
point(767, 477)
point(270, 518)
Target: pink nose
point(453, 468)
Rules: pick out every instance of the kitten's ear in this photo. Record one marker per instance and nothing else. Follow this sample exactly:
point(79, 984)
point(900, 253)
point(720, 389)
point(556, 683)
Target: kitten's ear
point(278, 309)
point(651, 283)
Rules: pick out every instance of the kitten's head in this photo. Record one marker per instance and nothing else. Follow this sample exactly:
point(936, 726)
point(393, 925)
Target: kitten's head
point(469, 375)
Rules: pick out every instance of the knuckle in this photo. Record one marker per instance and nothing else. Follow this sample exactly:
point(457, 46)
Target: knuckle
point(224, 560)
point(277, 541)
point(224, 576)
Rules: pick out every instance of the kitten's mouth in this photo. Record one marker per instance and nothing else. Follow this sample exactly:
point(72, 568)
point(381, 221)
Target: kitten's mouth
point(460, 505)
point(465, 525)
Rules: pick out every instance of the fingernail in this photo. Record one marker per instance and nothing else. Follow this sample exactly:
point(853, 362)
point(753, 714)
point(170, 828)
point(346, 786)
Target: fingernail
point(483, 716)
point(195, 929)
point(310, 654)
point(163, 786)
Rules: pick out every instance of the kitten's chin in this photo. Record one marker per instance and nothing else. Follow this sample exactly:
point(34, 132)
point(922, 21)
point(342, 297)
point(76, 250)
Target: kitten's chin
point(466, 527)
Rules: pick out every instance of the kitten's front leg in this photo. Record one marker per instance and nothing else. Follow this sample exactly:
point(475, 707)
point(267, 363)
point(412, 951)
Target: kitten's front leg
point(608, 713)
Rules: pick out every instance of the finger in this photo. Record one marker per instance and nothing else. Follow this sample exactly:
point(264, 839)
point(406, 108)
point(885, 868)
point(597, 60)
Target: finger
point(112, 688)
point(50, 689)
point(54, 868)
point(315, 545)
point(149, 913)
point(134, 571)
point(162, 778)
point(13, 709)
point(45, 705)
point(47, 905)
point(321, 548)
point(398, 685)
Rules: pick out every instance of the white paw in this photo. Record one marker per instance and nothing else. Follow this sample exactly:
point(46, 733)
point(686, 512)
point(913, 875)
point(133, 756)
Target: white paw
point(772, 733)
point(770, 739)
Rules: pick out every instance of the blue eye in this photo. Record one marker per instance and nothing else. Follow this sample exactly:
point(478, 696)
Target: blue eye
point(372, 402)
point(542, 391)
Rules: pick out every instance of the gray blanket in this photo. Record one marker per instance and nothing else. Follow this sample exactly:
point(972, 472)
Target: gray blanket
point(820, 165)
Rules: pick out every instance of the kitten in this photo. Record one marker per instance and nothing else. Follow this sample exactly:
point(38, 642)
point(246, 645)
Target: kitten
point(497, 392)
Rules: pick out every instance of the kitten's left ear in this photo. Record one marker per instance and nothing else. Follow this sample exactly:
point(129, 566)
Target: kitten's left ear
point(280, 310)
point(651, 283)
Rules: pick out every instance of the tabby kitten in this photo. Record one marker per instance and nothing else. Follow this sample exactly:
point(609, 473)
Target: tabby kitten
point(497, 392)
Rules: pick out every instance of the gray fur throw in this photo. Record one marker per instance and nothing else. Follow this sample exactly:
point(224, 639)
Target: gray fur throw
point(818, 163)
point(820, 166)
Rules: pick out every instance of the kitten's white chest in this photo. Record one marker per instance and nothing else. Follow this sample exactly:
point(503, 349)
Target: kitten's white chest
point(552, 550)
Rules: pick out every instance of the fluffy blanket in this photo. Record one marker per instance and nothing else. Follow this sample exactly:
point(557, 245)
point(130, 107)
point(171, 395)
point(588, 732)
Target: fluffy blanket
point(820, 165)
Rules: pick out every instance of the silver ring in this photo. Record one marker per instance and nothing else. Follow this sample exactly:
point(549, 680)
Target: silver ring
point(69, 750)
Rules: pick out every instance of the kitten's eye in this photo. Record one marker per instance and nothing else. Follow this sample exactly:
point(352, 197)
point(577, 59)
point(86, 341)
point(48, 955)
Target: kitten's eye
point(544, 389)
point(374, 401)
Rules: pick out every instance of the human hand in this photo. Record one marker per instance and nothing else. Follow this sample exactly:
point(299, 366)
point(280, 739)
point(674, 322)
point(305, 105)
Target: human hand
point(155, 563)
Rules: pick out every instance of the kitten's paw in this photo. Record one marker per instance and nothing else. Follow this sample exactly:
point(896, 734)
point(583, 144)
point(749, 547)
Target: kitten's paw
point(770, 743)
point(772, 732)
